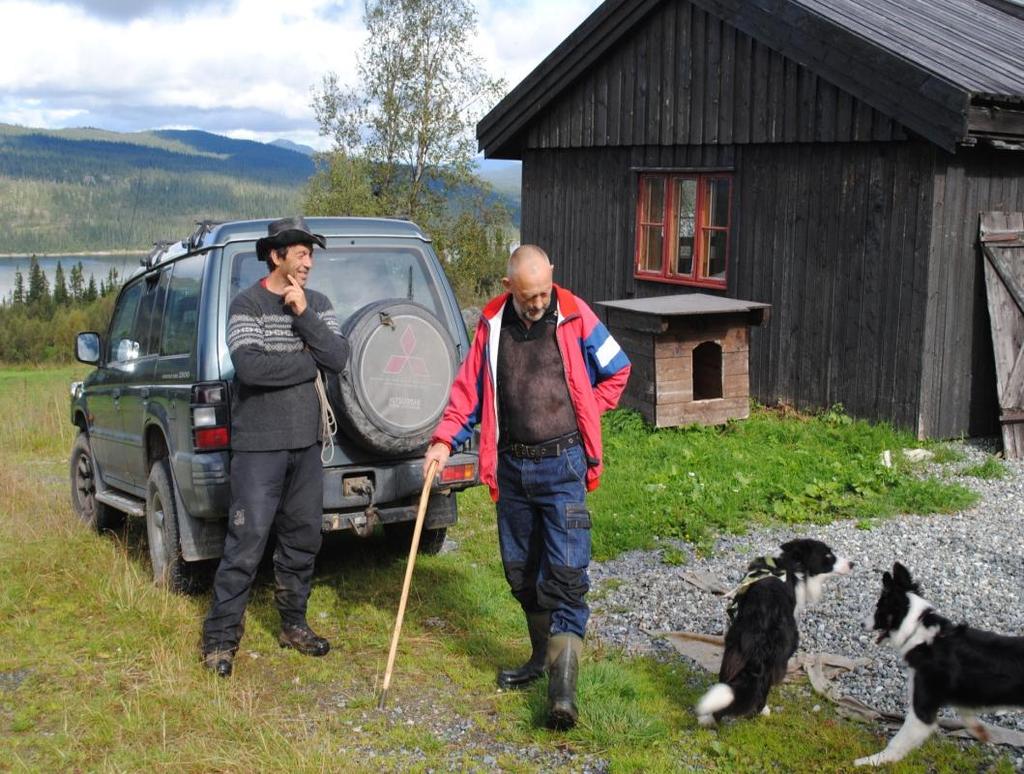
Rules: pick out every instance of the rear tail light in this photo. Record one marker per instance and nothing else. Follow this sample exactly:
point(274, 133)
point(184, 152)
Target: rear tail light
point(211, 423)
point(455, 473)
point(210, 438)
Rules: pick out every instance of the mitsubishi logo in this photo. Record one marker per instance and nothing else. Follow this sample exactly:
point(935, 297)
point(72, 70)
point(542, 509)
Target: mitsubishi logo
point(397, 363)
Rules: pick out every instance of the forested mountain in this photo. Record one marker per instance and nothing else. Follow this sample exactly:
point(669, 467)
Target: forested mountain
point(78, 190)
point(72, 156)
point(92, 190)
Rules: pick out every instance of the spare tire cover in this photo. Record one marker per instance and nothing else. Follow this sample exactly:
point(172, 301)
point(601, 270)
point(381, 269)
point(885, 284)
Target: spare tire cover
point(402, 364)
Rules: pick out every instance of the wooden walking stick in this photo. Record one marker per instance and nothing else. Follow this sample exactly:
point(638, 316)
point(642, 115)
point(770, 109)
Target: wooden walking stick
point(428, 479)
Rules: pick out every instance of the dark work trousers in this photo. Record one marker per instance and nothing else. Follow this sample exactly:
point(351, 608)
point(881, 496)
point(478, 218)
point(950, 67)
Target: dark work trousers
point(282, 490)
point(544, 534)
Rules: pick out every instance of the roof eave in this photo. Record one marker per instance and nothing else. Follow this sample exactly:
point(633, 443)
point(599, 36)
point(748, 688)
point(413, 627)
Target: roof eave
point(610, 22)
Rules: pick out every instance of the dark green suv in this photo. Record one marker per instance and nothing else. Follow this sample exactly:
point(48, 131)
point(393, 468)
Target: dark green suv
point(154, 416)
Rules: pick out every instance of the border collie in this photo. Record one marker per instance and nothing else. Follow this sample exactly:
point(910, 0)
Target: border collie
point(949, 664)
point(762, 632)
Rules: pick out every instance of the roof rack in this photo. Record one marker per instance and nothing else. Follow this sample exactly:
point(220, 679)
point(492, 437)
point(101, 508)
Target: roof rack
point(203, 227)
point(161, 251)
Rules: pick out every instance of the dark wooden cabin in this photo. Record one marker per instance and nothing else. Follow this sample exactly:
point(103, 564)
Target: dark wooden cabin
point(827, 157)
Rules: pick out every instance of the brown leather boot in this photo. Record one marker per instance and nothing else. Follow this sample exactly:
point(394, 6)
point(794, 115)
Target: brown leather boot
point(219, 662)
point(563, 662)
point(538, 625)
point(303, 639)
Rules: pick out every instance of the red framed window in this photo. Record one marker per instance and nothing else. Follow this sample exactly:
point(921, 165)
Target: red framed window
point(682, 227)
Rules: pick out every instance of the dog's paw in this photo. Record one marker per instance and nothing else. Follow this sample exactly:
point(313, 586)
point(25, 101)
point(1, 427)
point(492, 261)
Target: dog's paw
point(706, 721)
point(870, 760)
point(766, 711)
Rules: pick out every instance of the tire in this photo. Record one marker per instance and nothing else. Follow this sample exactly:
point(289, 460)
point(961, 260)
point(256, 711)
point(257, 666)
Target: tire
point(82, 469)
point(170, 570)
point(399, 536)
point(392, 393)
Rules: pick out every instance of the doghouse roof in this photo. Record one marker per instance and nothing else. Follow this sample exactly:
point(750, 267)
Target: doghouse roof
point(948, 70)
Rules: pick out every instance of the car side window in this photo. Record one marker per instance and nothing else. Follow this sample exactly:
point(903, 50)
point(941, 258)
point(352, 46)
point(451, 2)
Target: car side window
point(181, 319)
point(122, 348)
point(147, 321)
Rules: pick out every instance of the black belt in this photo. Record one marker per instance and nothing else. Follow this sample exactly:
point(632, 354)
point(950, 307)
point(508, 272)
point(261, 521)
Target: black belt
point(551, 448)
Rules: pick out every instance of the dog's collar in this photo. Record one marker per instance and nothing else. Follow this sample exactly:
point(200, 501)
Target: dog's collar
point(760, 568)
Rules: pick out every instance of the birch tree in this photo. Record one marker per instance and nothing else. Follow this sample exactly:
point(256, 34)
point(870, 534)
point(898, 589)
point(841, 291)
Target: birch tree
point(411, 116)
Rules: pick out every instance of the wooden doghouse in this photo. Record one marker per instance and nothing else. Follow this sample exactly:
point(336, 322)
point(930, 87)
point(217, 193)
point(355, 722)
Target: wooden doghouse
point(689, 354)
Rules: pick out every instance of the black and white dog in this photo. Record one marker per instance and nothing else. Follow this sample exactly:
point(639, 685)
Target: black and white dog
point(762, 633)
point(949, 665)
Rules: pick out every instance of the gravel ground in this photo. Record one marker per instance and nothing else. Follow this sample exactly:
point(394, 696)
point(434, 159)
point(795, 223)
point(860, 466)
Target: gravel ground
point(970, 566)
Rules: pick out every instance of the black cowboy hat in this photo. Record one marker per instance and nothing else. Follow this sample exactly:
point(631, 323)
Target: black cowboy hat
point(284, 232)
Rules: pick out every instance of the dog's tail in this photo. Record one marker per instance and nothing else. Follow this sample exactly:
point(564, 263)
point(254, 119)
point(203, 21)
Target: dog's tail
point(719, 697)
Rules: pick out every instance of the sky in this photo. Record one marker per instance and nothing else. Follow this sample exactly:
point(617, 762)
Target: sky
point(241, 68)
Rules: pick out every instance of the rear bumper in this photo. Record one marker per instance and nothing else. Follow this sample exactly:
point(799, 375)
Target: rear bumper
point(441, 512)
point(394, 492)
point(345, 490)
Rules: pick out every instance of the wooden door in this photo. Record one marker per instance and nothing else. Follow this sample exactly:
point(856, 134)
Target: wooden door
point(1002, 241)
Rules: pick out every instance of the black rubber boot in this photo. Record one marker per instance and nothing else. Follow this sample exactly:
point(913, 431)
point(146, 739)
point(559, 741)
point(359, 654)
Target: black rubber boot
point(538, 625)
point(563, 667)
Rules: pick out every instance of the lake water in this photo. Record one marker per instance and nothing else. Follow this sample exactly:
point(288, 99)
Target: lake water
point(96, 265)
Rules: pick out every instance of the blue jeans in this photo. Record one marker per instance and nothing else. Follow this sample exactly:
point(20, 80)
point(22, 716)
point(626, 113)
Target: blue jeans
point(544, 533)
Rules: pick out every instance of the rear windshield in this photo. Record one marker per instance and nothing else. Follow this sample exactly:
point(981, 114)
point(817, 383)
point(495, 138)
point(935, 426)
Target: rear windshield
point(352, 277)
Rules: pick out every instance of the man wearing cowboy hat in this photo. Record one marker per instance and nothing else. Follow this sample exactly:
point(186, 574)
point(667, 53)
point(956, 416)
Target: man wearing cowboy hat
point(279, 334)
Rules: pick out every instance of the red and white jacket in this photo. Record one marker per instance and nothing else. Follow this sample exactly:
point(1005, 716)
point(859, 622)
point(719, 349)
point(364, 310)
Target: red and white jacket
point(596, 371)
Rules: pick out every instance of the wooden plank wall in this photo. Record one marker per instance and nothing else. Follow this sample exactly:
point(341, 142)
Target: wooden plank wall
point(958, 382)
point(835, 237)
point(580, 207)
point(687, 78)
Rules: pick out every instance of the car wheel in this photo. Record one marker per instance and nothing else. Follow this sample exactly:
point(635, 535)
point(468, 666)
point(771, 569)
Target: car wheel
point(170, 570)
point(97, 515)
point(391, 395)
point(399, 538)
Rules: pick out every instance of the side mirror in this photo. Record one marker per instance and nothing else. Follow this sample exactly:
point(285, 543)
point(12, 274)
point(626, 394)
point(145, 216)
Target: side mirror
point(87, 347)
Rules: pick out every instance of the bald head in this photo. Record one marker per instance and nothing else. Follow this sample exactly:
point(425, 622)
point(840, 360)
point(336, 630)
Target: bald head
point(528, 260)
point(529, 280)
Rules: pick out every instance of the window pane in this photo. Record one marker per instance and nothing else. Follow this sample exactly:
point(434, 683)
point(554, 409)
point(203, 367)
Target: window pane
point(354, 277)
point(686, 213)
point(122, 346)
point(147, 321)
point(718, 204)
point(653, 244)
point(182, 316)
point(714, 249)
point(654, 200)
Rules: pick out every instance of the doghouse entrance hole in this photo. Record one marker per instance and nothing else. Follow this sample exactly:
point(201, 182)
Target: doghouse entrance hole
point(707, 371)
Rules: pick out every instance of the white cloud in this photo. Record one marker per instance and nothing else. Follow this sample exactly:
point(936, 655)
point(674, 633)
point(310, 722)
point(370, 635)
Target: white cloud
point(231, 67)
point(516, 36)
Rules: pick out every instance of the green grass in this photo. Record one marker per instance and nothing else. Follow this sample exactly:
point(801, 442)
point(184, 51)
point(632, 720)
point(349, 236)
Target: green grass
point(99, 670)
point(695, 482)
point(990, 468)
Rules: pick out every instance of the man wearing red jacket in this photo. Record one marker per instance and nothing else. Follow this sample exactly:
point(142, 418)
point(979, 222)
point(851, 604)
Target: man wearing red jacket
point(541, 371)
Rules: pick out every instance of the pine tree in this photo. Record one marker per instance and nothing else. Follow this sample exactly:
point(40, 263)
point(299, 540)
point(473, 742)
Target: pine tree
point(113, 282)
point(38, 298)
point(77, 282)
point(60, 288)
point(19, 288)
point(90, 294)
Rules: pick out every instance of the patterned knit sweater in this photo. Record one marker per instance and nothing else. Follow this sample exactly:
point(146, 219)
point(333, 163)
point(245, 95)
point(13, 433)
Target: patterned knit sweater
point(276, 354)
